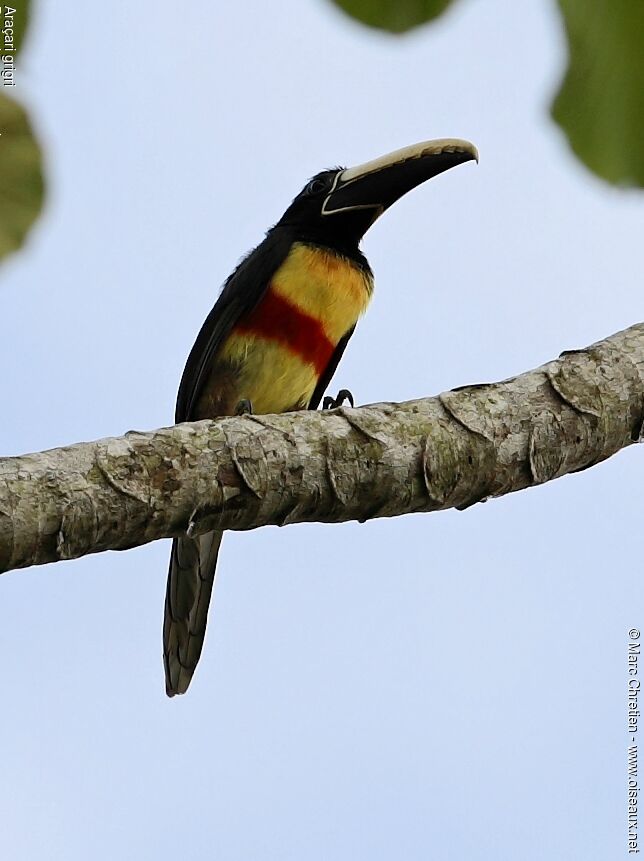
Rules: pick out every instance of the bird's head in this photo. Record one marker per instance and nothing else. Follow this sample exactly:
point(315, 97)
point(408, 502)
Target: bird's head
point(337, 207)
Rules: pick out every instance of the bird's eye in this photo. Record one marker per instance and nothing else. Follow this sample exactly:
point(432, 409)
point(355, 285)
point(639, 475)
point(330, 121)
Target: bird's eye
point(315, 186)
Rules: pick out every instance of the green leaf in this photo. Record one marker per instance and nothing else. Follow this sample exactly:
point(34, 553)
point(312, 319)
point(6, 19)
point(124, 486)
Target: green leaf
point(20, 21)
point(397, 16)
point(600, 105)
point(21, 179)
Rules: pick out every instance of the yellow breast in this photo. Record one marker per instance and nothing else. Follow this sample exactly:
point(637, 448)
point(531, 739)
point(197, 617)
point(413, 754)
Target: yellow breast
point(324, 285)
point(283, 347)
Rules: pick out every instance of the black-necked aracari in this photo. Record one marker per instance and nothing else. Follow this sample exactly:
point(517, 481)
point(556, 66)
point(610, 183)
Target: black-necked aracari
point(275, 336)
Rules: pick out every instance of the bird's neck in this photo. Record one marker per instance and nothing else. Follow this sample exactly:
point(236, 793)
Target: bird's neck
point(342, 247)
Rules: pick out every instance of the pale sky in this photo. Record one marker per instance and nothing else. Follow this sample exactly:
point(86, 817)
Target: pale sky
point(445, 686)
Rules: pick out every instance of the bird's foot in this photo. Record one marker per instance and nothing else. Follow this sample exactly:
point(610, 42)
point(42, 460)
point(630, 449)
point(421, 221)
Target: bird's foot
point(244, 408)
point(343, 395)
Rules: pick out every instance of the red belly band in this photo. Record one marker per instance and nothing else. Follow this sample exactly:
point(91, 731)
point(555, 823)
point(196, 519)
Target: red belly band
point(277, 319)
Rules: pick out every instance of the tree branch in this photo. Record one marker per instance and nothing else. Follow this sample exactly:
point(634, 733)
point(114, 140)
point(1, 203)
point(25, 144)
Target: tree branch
point(452, 450)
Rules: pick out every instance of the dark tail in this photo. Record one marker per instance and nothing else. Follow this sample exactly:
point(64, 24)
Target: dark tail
point(190, 580)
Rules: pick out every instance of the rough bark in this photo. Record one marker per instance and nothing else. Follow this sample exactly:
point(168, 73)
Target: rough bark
point(452, 450)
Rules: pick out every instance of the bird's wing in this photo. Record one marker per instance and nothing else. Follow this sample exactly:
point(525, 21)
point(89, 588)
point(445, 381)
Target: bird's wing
point(329, 371)
point(193, 560)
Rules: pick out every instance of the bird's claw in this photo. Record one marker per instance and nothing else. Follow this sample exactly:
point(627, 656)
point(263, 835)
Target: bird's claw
point(343, 395)
point(244, 408)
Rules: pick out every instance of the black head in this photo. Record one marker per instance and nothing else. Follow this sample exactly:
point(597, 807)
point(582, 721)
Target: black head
point(337, 207)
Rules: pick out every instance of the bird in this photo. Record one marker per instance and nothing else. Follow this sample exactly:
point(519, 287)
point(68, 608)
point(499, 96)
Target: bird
point(275, 335)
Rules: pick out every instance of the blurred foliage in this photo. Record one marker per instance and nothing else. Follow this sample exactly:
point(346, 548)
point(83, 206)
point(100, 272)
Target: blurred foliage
point(20, 21)
point(600, 105)
point(393, 15)
point(21, 179)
